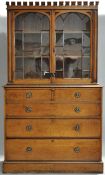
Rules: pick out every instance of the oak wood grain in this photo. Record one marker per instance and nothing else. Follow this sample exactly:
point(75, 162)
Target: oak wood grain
point(61, 94)
point(53, 149)
point(41, 128)
point(49, 167)
point(53, 110)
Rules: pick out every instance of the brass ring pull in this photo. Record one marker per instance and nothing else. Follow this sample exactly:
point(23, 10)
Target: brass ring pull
point(28, 94)
point(77, 95)
point(77, 127)
point(28, 109)
point(28, 127)
point(77, 149)
point(77, 109)
point(29, 149)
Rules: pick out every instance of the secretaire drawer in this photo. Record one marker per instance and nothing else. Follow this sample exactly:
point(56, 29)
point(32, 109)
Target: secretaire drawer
point(53, 94)
point(54, 110)
point(53, 149)
point(20, 128)
point(21, 95)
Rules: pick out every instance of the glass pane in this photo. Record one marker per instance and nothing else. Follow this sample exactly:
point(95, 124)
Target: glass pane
point(45, 22)
point(59, 23)
point(85, 74)
point(86, 51)
point(72, 44)
point(19, 74)
point(59, 39)
point(59, 63)
point(86, 63)
point(18, 44)
point(45, 64)
point(32, 22)
point(19, 23)
point(19, 68)
point(72, 22)
point(31, 41)
point(45, 67)
point(35, 22)
point(45, 51)
point(59, 67)
point(86, 22)
point(86, 39)
point(72, 67)
point(59, 74)
point(76, 22)
point(86, 43)
point(36, 52)
point(45, 39)
point(59, 51)
point(32, 67)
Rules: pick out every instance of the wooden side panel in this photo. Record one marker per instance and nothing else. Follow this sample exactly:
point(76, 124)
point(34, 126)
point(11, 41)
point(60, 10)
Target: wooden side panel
point(57, 149)
point(30, 128)
point(53, 110)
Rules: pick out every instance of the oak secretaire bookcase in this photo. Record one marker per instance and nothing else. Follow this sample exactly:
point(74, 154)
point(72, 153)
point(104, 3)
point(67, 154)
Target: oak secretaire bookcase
point(52, 100)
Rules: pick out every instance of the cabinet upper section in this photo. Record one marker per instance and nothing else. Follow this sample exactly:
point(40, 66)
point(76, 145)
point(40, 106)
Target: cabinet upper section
point(52, 43)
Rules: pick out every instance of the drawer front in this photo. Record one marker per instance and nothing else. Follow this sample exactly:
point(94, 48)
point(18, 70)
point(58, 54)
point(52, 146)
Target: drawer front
point(53, 94)
point(20, 128)
point(78, 94)
point(57, 149)
point(53, 110)
point(21, 95)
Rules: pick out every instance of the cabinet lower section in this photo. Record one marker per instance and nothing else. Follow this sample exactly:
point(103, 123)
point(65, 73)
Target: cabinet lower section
point(60, 167)
point(53, 129)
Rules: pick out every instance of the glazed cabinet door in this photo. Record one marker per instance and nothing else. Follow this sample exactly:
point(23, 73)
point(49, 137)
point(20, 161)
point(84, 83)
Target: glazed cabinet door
point(32, 47)
point(72, 47)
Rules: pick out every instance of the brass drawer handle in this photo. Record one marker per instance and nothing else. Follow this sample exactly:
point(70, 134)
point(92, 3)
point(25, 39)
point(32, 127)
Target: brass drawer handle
point(28, 109)
point(77, 149)
point(28, 127)
point(29, 149)
point(77, 109)
point(77, 127)
point(77, 94)
point(28, 94)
